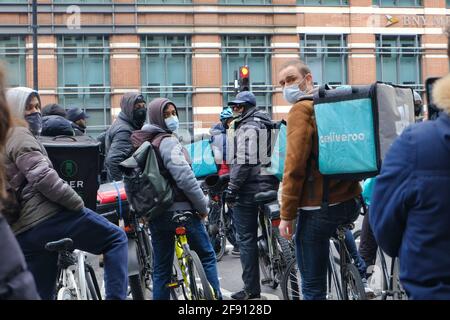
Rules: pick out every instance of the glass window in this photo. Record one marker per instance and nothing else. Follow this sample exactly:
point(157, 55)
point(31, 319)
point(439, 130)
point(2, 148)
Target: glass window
point(322, 2)
point(83, 78)
point(399, 60)
point(82, 1)
point(12, 54)
point(255, 52)
point(245, 2)
point(163, 1)
point(166, 71)
point(397, 3)
point(326, 55)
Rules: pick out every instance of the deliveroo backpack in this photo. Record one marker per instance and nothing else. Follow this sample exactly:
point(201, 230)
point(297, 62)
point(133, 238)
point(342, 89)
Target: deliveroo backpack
point(148, 191)
point(347, 126)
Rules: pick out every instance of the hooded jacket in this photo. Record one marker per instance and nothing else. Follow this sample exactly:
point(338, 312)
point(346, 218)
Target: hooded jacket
point(246, 164)
point(54, 125)
point(42, 193)
point(117, 141)
point(409, 213)
point(218, 142)
point(17, 98)
point(173, 159)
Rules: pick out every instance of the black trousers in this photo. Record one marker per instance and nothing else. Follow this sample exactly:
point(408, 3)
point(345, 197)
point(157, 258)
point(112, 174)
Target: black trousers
point(368, 245)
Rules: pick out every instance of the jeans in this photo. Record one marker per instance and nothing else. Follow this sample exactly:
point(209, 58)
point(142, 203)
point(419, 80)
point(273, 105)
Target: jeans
point(312, 239)
point(90, 232)
point(163, 240)
point(245, 213)
point(357, 259)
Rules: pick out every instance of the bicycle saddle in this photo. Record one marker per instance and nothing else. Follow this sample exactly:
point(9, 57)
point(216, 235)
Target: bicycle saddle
point(182, 216)
point(266, 197)
point(65, 244)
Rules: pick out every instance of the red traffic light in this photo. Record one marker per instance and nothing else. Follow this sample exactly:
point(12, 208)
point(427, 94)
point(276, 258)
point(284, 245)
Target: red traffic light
point(244, 72)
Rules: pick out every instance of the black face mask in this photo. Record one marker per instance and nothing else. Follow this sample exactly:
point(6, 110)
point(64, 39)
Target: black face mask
point(139, 116)
point(34, 122)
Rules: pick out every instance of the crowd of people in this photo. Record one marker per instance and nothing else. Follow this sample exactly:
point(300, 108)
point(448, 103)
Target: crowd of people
point(408, 216)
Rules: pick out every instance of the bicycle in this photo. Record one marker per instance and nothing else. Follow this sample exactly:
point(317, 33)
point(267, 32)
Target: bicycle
point(275, 252)
point(76, 278)
point(390, 279)
point(140, 250)
point(346, 282)
point(187, 267)
point(218, 224)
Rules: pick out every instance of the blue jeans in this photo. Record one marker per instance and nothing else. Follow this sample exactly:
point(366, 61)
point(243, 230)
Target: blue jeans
point(357, 259)
point(312, 239)
point(245, 214)
point(163, 240)
point(90, 232)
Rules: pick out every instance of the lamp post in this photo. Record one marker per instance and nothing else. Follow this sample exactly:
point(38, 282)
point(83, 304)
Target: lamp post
point(35, 47)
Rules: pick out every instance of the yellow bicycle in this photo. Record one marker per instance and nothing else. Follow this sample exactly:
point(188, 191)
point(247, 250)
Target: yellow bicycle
point(188, 276)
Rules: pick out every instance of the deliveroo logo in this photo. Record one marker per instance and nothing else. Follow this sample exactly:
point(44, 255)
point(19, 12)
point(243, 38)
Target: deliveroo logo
point(69, 168)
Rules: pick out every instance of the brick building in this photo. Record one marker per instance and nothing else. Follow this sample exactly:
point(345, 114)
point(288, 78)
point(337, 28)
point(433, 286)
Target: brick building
point(92, 51)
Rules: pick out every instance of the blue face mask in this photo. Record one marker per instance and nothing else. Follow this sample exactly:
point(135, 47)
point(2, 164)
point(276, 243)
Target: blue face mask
point(34, 123)
point(293, 93)
point(172, 123)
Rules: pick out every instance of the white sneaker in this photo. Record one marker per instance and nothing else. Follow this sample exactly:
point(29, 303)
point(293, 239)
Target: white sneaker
point(370, 294)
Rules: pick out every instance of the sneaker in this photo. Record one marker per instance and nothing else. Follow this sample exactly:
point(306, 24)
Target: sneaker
point(370, 294)
point(235, 251)
point(242, 295)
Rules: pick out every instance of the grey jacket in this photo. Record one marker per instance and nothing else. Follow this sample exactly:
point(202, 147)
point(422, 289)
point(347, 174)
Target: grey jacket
point(44, 193)
point(182, 177)
point(117, 140)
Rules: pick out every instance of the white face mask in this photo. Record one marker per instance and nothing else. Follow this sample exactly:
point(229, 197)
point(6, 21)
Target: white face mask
point(293, 93)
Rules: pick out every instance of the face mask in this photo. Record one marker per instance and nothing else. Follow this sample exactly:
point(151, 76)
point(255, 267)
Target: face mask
point(172, 123)
point(139, 116)
point(293, 93)
point(34, 122)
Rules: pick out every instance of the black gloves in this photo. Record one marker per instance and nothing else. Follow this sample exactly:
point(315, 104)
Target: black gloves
point(230, 196)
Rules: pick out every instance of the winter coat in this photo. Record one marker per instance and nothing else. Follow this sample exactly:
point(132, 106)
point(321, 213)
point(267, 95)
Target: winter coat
point(56, 126)
point(298, 190)
point(410, 206)
point(117, 141)
point(16, 282)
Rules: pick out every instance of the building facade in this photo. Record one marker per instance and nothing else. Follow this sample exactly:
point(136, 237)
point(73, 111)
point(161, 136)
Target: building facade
point(91, 52)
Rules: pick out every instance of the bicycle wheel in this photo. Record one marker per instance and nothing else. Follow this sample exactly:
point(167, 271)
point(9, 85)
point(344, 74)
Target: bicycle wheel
point(136, 284)
point(398, 293)
point(385, 283)
point(352, 285)
point(65, 293)
point(283, 254)
point(92, 284)
point(291, 282)
point(201, 290)
point(220, 244)
point(265, 264)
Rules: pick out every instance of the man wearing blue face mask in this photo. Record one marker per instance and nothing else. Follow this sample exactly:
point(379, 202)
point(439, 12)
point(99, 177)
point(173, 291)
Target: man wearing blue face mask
point(303, 186)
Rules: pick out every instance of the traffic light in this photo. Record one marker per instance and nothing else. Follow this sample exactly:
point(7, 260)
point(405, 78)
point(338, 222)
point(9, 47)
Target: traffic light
point(244, 78)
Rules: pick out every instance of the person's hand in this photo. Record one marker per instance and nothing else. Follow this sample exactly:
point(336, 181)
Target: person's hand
point(202, 215)
point(286, 229)
point(230, 196)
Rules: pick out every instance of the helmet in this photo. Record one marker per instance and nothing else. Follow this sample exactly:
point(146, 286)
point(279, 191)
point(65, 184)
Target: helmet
point(226, 113)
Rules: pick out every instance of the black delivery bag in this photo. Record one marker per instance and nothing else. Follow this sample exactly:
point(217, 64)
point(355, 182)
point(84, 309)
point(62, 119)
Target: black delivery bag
point(77, 161)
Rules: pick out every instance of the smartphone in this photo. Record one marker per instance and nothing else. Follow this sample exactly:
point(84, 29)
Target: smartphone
point(433, 110)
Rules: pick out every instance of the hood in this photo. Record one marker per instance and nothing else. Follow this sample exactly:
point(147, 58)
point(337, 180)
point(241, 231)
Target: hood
point(127, 104)
point(256, 113)
point(217, 129)
point(17, 99)
point(441, 93)
point(156, 114)
point(147, 133)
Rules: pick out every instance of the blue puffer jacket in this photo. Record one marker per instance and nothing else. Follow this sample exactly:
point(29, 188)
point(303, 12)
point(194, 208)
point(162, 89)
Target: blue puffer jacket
point(410, 207)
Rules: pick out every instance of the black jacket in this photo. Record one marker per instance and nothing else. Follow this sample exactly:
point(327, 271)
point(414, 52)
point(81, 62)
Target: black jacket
point(56, 126)
point(16, 282)
point(79, 131)
point(117, 141)
point(247, 168)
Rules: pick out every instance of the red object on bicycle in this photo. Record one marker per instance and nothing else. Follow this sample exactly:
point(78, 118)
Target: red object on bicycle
point(107, 193)
point(180, 231)
point(224, 169)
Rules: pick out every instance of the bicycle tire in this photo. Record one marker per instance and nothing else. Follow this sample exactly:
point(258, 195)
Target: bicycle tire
point(265, 265)
point(291, 282)
point(385, 283)
point(65, 293)
point(286, 254)
point(222, 246)
point(147, 271)
point(195, 268)
point(398, 293)
point(352, 278)
point(92, 294)
point(135, 282)
point(93, 286)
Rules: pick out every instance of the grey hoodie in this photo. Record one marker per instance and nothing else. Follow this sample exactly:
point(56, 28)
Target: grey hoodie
point(28, 169)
